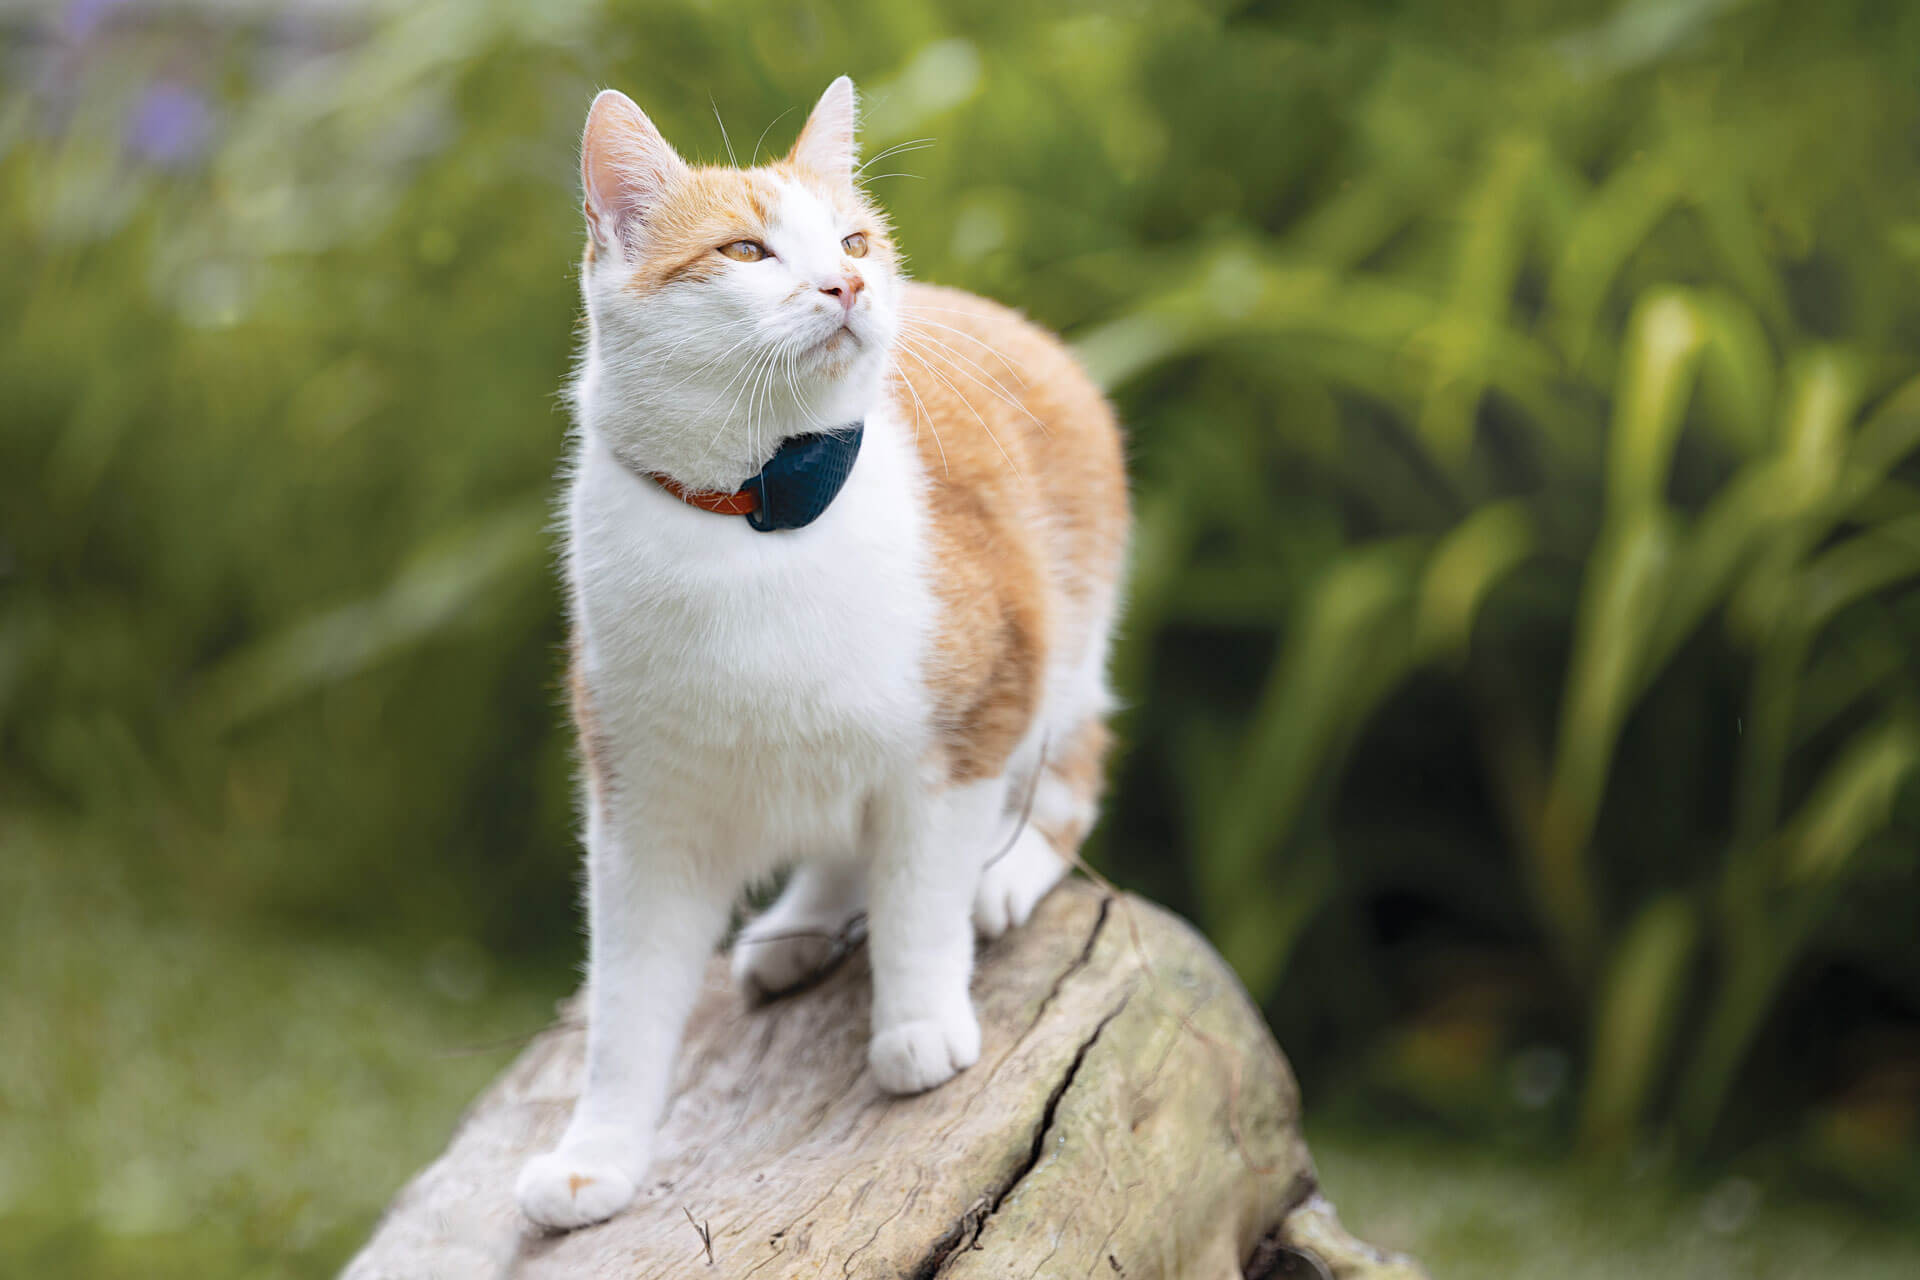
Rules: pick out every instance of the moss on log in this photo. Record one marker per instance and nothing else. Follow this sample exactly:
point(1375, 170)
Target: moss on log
point(1130, 1117)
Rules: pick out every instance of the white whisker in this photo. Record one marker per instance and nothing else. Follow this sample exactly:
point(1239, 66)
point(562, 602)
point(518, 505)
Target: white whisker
point(731, 158)
point(998, 388)
point(920, 411)
point(898, 148)
point(1012, 366)
point(928, 366)
point(763, 135)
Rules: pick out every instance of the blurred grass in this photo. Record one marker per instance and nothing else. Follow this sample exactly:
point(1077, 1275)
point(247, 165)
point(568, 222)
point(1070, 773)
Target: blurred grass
point(1523, 406)
point(192, 1096)
point(1474, 1212)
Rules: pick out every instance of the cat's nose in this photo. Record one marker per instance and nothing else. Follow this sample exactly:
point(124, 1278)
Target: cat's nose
point(846, 288)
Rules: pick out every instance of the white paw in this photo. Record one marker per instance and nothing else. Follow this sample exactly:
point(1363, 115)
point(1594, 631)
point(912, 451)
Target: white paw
point(913, 1057)
point(768, 962)
point(564, 1190)
point(1012, 885)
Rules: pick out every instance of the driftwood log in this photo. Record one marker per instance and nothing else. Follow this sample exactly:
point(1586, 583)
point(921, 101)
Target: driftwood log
point(1130, 1118)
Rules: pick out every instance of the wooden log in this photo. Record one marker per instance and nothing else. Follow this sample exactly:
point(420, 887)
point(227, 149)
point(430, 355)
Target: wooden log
point(1130, 1118)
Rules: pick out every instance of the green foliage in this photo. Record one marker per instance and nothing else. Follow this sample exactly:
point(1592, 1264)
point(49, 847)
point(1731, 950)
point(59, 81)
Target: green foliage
point(1522, 407)
point(1613, 365)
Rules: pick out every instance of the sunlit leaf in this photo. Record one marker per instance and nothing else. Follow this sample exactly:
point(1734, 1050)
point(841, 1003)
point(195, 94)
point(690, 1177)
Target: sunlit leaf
point(1646, 985)
point(1853, 800)
point(1664, 340)
point(1467, 564)
point(1626, 579)
point(1489, 254)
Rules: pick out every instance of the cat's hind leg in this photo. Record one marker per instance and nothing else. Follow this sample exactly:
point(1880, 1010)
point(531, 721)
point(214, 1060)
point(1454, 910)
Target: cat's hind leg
point(803, 931)
point(1065, 802)
point(1012, 884)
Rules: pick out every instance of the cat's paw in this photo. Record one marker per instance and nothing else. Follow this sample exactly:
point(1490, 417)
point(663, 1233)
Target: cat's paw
point(1012, 885)
point(912, 1057)
point(769, 962)
point(568, 1188)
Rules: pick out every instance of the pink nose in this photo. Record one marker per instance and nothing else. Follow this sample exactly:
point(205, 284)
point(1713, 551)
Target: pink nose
point(846, 288)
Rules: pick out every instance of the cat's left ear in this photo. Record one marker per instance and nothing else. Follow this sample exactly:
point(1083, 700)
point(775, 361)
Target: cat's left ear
point(826, 145)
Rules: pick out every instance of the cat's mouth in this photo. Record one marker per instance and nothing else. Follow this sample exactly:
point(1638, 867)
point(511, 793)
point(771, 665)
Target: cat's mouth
point(839, 342)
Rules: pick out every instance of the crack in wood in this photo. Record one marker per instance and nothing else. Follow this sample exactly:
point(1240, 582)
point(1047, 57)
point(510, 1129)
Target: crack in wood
point(965, 1234)
point(1040, 1012)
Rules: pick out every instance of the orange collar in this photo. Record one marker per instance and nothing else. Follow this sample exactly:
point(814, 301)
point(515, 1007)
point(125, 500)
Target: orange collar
point(742, 502)
point(797, 484)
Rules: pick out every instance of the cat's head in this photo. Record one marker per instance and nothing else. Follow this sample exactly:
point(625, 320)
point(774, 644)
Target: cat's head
point(729, 307)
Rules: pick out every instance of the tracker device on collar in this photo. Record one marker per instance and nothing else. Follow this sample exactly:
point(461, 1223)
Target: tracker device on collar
point(796, 486)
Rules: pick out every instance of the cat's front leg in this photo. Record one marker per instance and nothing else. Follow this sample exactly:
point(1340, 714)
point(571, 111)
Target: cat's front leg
point(928, 845)
point(655, 917)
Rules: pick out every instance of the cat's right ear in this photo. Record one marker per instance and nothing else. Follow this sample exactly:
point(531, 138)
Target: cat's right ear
point(625, 166)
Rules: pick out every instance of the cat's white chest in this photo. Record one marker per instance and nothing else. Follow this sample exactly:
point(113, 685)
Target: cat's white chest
point(756, 685)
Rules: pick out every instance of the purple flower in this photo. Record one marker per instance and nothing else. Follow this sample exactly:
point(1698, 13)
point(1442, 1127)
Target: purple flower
point(170, 126)
point(83, 17)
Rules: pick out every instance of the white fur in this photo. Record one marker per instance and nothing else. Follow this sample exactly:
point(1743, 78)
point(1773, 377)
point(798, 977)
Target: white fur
point(761, 699)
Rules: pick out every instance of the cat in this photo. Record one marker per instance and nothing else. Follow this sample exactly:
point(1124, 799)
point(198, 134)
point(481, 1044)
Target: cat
point(844, 556)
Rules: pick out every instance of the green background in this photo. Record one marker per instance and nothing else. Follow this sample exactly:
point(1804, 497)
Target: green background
point(1519, 669)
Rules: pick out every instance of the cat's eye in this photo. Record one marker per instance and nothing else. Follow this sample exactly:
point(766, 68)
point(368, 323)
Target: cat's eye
point(855, 245)
point(746, 251)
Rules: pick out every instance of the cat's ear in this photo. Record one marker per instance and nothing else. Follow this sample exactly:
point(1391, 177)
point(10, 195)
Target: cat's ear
point(625, 166)
point(826, 144)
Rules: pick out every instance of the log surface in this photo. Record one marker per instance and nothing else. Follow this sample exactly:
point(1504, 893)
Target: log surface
point(1130, 1117)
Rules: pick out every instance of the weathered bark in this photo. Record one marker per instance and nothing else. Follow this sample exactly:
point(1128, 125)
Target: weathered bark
point(1130, 1116)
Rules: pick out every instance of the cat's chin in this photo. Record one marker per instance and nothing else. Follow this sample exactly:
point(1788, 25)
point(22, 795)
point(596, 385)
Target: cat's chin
point(840, 345)
point(838, 355)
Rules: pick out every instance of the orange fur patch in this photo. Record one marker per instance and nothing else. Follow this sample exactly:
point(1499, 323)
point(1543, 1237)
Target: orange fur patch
point(1028, 499)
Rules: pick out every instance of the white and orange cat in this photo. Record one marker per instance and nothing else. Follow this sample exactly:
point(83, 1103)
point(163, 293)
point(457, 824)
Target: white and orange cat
point(900, 693)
